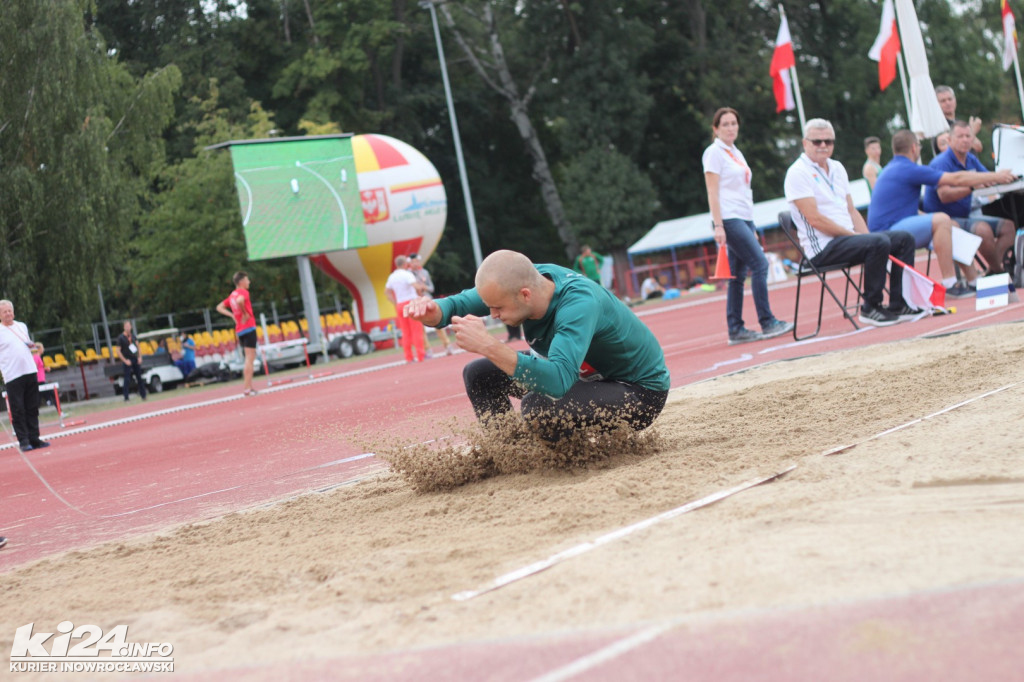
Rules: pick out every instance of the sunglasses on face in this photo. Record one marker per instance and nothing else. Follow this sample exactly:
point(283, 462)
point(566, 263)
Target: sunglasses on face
point(818, 143)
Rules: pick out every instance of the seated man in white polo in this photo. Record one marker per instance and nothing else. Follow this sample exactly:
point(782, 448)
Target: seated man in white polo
point(832, 230)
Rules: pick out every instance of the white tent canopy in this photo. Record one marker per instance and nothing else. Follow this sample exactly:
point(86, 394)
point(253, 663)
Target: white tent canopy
point(695, 229)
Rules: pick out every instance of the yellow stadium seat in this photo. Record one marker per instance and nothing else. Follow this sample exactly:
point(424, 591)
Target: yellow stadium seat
point(59, 361)
point(48, 363)
point(79, 356)
point(91, 355)
point(105, 353)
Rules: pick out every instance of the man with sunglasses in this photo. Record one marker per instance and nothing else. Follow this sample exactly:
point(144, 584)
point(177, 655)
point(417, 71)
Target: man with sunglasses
point(832, 230)
point(897, 195)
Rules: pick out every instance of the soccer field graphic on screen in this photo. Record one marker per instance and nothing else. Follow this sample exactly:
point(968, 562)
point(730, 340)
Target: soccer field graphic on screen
point(298, 196)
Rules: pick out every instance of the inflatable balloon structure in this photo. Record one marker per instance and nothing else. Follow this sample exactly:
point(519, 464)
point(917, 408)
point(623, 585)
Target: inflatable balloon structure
point(404, 209)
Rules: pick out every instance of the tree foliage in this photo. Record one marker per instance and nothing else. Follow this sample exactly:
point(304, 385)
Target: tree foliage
point(79, 141)
point(615, 98)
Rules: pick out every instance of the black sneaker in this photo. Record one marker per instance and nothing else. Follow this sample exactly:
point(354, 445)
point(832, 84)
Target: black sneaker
point(744, 336)
point(905, 312)
point(776, 328)
point(24, 447)
point(879, 317)
point(3, 541)
point(40, 444)
point(960, 291)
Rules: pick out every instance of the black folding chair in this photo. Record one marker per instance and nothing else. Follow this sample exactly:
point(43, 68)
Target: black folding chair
point(808, 269)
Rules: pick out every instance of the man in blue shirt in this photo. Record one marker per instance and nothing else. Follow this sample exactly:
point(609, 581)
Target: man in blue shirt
point(593, 362)
point(996, 234)
point(894, 203)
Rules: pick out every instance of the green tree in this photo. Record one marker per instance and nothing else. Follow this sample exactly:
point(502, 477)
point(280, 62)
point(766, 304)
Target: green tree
point(79, 142)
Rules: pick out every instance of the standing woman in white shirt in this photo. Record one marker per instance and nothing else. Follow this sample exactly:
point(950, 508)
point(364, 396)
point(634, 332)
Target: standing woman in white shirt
point(731, 200)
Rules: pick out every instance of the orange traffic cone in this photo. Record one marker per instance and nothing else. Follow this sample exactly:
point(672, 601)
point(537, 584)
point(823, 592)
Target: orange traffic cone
point(722, 270)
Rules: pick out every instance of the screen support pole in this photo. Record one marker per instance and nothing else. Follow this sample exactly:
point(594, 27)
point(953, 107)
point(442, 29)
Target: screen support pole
point(310, 306)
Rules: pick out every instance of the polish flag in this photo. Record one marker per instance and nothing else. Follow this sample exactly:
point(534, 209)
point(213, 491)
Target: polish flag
point(887, 46)
point(783, 59)
point(1009, 36)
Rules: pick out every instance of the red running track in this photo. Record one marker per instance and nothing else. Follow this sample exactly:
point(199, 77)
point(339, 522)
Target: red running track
point(150, 465)
point(147, 466)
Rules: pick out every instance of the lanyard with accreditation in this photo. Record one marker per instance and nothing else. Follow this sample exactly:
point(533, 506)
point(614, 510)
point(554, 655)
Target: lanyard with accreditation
point(821, 177)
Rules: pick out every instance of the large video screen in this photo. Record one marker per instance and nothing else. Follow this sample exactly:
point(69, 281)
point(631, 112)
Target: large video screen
point(298, 196)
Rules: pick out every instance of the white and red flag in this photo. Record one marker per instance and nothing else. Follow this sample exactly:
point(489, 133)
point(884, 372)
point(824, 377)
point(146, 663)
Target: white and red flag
point(783, 59)
point(1009, 35)
point(887, 46)
point(919, 290)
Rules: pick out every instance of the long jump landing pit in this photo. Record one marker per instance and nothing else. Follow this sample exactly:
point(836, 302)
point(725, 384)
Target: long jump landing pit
point(369, 569)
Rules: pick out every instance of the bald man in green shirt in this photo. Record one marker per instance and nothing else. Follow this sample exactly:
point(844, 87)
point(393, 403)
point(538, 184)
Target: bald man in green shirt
point(593, 362)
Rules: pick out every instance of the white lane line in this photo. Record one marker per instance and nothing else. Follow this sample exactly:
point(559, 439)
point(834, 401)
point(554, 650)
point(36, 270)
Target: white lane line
point(816, 339)
point(968, 320)
point(554, 559)
point(746, 357)
point(612, 651)
point(190, 497)
point(215, 401)
point(843, 448)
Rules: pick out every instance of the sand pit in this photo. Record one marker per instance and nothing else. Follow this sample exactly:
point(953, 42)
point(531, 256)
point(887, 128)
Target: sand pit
point(372, 567)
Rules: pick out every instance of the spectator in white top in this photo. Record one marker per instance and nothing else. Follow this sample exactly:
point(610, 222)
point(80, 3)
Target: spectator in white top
point(651, 288)
point(402, 287)
point(832, 230)
point(731, 201)
point(423, 275)
point(18, 369)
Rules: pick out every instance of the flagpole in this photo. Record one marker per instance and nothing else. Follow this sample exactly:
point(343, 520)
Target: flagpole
point(799, 102)
point(1020, 87)
point(796, 82)
point(903, 82)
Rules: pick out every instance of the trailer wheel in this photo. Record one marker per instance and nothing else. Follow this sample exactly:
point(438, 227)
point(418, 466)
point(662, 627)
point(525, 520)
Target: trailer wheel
point(363, 344)
point(346, 349)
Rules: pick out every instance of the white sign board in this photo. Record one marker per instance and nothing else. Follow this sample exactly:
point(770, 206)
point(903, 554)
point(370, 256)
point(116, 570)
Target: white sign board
point(993, 291)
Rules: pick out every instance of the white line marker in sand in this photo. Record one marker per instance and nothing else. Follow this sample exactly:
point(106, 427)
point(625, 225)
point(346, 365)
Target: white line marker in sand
point(545, 564)
point(843, 448)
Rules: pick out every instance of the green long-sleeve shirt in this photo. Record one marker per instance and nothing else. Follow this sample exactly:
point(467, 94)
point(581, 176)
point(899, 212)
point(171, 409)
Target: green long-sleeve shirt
point(583, 323)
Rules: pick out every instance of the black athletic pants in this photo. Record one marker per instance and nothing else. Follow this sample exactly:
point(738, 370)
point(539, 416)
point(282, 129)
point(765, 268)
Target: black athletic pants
point(23, 397)
point(587, 403)
point(873, 250)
